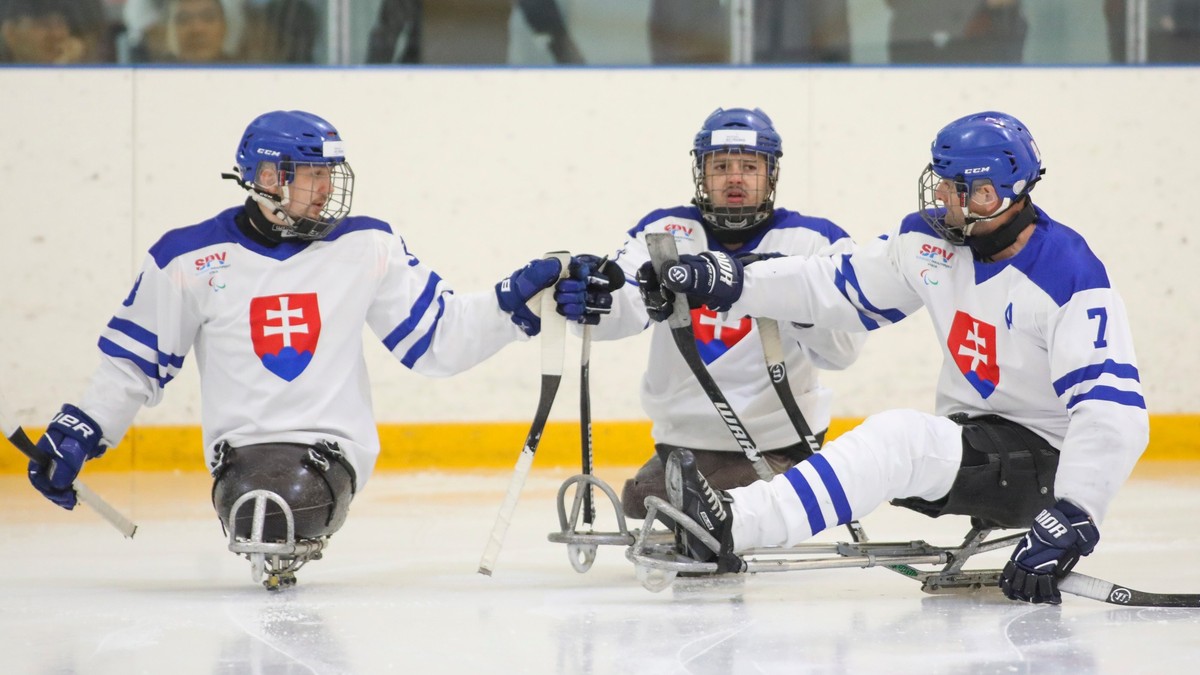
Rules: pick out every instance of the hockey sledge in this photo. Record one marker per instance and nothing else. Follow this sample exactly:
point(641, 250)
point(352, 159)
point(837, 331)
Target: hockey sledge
point(581, 540)
point(657, 565)
point(277, 561)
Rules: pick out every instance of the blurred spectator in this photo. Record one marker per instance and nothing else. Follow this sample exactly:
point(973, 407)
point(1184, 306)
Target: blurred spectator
point(54, 32)
point(185, 31)
point(801, 31)
point(785, 31)
point(284, 31)
point(462, 31)
point(689, 31)
point(956, 31)
point(1172, 31)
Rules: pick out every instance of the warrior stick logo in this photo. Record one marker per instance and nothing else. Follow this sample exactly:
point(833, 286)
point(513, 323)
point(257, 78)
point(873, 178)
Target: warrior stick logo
point(285, 330)
point(777, 372)
point(735, 427)
point(1120, 595)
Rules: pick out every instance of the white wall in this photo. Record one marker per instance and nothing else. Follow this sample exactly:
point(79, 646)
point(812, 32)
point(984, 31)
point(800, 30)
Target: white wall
point(481, 170)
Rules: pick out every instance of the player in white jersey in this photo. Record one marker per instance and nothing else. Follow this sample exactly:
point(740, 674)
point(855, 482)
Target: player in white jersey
point(735, 170)
point(272, 296)
point(1040, 415)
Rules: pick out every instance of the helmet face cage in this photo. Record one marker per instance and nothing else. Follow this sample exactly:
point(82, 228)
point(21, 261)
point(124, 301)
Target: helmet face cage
point(741, 170)
point(735, 158)
point(310, 184)
point(329, 185)
point(988, 148)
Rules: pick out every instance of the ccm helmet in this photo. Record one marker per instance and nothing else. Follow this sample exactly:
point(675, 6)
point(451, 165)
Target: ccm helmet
point(987, 148)
point(286, 141)
point(737, 130)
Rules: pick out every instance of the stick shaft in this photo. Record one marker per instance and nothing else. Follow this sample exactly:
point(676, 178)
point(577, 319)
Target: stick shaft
point(662, 250)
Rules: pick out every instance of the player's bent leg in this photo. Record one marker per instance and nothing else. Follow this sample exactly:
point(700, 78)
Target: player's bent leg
point(316, 483)
point(648, 481)
point(895, 453)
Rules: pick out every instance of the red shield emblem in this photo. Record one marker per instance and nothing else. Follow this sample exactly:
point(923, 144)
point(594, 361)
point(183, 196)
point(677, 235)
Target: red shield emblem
point(714, 337)
point(284, 330)
point(972, 345)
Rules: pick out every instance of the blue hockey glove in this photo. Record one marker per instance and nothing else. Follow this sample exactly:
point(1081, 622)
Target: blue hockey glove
point(658, 300)
point(515, 292)
point(1060, 535)
point(586, 294)
point(71, 439)
point(713, 278)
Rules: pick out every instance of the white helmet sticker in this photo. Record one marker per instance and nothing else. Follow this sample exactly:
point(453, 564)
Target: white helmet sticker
point(734, 137)
point(333, 149)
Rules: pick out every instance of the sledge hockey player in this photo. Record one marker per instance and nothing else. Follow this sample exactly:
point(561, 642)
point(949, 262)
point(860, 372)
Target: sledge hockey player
point(1040, 415)
point(735, 169)
point(272, 295)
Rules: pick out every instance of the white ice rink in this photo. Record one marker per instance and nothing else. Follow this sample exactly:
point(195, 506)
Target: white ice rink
point(398, 591)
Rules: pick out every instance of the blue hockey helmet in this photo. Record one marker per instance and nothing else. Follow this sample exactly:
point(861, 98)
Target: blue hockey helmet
point(287, 140)
point(986, 148)
point(736, 130)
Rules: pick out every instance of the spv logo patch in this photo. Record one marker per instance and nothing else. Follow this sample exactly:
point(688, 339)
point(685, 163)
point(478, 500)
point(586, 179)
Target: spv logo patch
point(972, 345)
point(284, 330)
point(714, 337)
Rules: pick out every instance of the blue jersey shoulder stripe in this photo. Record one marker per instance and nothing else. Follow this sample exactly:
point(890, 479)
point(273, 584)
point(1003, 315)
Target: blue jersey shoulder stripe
point(685, 212)
point(785, 219)
point(357, 224)
point(1059, 261)
point(415, 314)
point(1093, 371)
point(1129, 398)
point(421, 346)
point(914, 222)
point(217, 230)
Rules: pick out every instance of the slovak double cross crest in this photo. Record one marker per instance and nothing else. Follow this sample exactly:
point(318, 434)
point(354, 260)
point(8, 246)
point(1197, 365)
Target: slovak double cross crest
point(972, 345)
point(714, 335)
point(284, 330)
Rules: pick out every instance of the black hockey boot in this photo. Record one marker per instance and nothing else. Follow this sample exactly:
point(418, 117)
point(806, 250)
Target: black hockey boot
point(690, 492)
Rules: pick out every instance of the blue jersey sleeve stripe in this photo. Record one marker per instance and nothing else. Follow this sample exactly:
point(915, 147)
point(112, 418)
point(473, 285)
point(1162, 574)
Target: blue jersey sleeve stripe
point(418, 311)
point(147, 338)
point(847, 271)
point(418, 350)
point(840, 283)
point(833, 486)
point(1112, 394)
point(110, 348)
point(1123, 370)
point(808, 499)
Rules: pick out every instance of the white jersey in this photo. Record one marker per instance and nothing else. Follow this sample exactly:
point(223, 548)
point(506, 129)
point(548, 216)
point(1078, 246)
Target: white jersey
point(1041, 339)
point(277, 333)
point(681, 413)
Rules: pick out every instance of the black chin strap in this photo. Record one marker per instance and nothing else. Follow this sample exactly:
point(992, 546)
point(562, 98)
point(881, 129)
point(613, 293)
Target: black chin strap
point(988, 245)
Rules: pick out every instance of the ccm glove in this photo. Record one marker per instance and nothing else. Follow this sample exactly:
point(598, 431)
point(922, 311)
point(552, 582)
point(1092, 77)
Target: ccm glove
point(71, 439)
point(514, 293)
point(1060, 535)
point(586, 294)
point(712, 278)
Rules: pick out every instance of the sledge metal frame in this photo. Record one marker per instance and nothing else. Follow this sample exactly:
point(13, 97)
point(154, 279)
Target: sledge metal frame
point(582, 543)
point(657, 568)
point(278, 561)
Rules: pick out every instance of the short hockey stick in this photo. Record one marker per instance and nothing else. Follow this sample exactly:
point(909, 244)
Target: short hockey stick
point(662, 250)
point(17, 436)
point(1106, 591)
point(585, 423)
point(772, 344)
point(553, 339)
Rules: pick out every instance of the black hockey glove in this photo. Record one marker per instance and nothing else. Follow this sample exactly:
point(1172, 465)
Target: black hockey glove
point(1060, 535)
point(586, 294)
point(712, 278)
point(71, 439)
point(514, 292)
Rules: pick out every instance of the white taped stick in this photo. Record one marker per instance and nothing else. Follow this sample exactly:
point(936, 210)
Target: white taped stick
point(553, 337)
